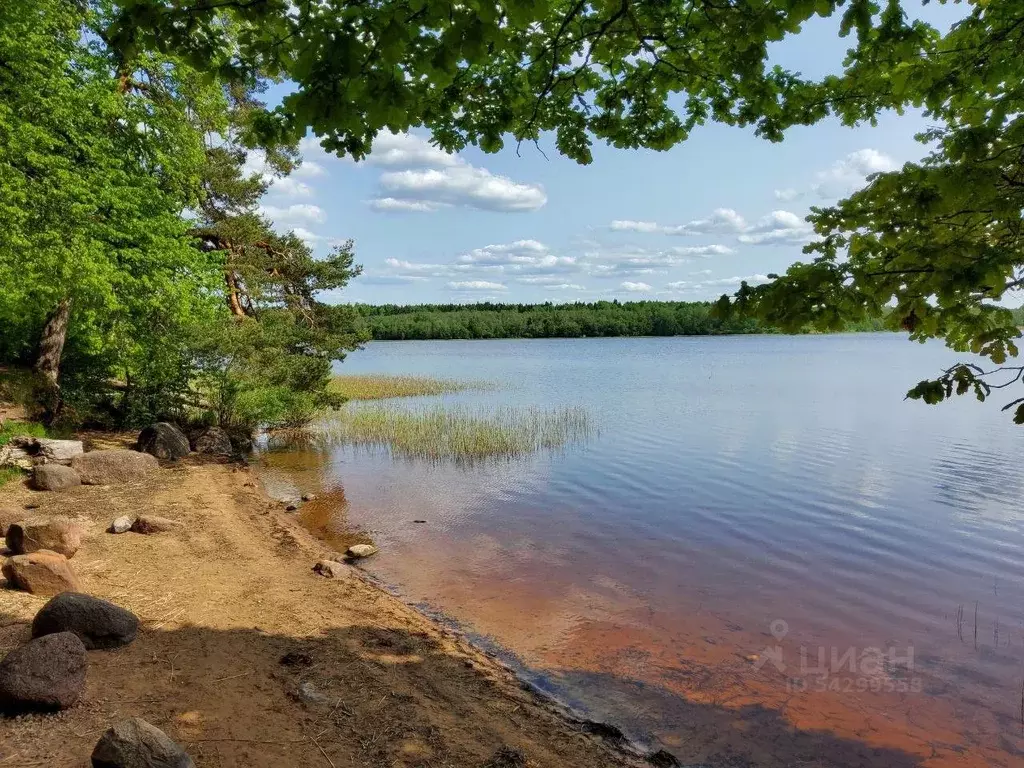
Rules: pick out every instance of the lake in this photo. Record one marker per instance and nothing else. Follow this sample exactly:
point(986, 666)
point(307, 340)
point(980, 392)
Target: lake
point(762, 556)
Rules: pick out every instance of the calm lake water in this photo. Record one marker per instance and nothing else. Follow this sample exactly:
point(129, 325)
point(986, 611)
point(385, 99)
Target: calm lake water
point(713, 570)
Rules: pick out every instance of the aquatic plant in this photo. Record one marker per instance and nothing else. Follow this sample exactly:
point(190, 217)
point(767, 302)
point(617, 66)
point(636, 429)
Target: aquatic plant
point(458, 433)
point(380, 386)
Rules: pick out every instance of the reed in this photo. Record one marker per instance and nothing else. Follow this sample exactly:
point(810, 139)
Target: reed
point(458, 433)
point(380, 387)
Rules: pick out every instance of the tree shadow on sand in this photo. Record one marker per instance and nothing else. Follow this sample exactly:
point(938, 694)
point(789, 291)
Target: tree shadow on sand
point(369, 696)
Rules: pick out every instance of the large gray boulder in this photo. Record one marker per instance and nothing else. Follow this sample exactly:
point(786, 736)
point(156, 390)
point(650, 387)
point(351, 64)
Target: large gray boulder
point(114, 466)
point(54, 534)
point(134, 743)
point(213, 441)
point(54, 477)
point(164, 440)
point(97, 623)
point(47, 673)
point(46, 450)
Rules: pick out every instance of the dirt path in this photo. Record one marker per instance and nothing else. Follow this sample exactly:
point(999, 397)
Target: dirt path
point(223, 601)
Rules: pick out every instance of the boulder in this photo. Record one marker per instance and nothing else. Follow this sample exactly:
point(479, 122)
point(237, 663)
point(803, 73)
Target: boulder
point(41, 573)
point(331, 569)
point(54, 477)
point(61, 536)
point(213, 441)
point(164, 440)
point(154, 524)
point(114, 466)
point(45, 450)
point(97, 623)
point(11, 456)
point(122, 524)
point(134, 743)
point(47, 673)
point(361, 550)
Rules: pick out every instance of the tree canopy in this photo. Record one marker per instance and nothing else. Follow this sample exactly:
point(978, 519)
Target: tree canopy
point(161, 96)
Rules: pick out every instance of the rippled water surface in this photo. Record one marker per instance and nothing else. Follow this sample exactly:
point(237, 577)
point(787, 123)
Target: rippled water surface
point(712, 569)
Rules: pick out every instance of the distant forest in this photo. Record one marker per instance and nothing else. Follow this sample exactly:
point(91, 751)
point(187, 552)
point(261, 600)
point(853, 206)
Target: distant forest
point(533, 321)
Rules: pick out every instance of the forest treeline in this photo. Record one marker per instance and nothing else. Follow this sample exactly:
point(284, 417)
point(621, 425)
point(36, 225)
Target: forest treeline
point(489, 320)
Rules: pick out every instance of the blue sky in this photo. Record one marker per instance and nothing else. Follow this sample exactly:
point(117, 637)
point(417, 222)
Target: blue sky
point(686, 224)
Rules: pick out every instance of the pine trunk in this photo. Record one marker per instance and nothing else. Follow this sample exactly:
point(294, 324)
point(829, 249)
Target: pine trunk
point(51, 345)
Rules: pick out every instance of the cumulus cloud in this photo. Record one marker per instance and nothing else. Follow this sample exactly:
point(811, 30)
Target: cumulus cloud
point(788, 194)
point(778, 227)
point(374, 279)
point(406, 150)
point(632, 287)
point(704, 251)
point(297, 212)
point(848, 174)
point(309, 170)
point(725, 282)
point(565, 287)
point(309, 238)
point(475, 285)
point(463, 185)
point(721, 220)
point(396, 204)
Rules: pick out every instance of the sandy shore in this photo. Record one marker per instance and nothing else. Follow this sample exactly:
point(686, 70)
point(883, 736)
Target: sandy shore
point(223, 600)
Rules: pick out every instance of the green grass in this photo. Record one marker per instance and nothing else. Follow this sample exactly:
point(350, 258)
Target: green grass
point(9, 474)
point(458, 433)
point(11, 429)
point(380, 387)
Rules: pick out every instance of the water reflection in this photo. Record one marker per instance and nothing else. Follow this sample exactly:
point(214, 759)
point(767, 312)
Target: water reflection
point(638, 575)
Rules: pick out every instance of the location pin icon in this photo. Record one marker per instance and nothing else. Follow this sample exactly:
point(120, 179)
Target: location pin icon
point(779, 629)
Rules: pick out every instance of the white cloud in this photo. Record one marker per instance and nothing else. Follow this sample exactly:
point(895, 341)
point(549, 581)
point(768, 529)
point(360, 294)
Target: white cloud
point(476, 285)
point(289, 186)
point(309, 170)
point(415, 266)
point(540, 279)
point(310, 238)
point(721, 220)
point(406, 150)
point(788, 194)
point(635, 287)
point(297, 212)
point(395, 204)
point(463, 185)
point(703, 251)
point(848, 174)
point(701, 272)
point(391, 279)
point(506, 253)
point(778, 227)
point(565, 287)
point(677, 285)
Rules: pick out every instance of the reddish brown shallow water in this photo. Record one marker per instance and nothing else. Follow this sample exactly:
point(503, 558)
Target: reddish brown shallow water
point(744, 577)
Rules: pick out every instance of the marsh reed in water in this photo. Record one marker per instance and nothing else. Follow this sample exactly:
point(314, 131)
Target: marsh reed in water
point(458, 432)
point(381, 387)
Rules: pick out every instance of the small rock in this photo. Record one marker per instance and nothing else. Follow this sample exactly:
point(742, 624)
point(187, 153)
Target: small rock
point(154, 524)
point(15, 457)
point(134, 743)
point(47, 673)
point(361, 550)
point(113, 466)
point(61, 536)
point(308, 693)
point(122, 524)
point(41, 573)
point(331, 569)
point(291, 508)
point(309, 497)
point(97, 623)
point(54, 477)
point(164, 440)
point(213, 441)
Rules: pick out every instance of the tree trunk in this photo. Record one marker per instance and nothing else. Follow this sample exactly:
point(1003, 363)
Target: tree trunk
point(232, 294)
point(51, 345)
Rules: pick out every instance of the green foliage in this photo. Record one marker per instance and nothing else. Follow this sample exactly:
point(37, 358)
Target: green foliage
point(9, 429)
point(382, 387)
point(602, 318)
point(10, 475)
